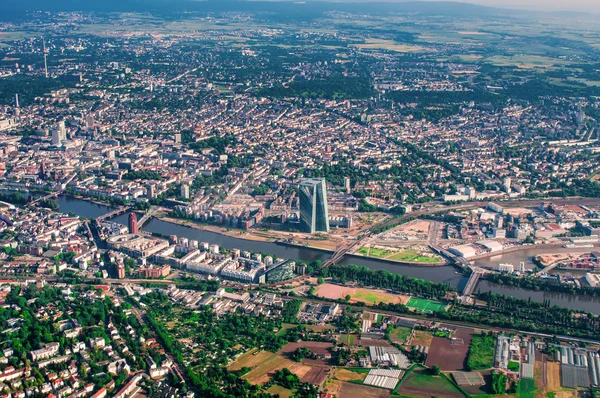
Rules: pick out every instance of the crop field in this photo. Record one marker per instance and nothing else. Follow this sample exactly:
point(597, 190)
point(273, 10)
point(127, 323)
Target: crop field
point(351, 390)
point(426, 305)
point(400, 334)
point(264, 364)
point(367, 296)
point(420, 384)
point(481, 352)
point(525, 61)
point(348, 375)
point(527, 388)
point(390, 45)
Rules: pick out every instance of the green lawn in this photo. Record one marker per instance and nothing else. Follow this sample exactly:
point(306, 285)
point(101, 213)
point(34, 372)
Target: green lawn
point(527, 388)
point(513, 366)
point(425, 305)
point(481, 352)
point(399, 334)
point(413, 256)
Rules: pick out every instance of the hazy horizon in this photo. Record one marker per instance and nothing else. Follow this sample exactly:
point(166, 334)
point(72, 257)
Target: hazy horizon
point(538, 5)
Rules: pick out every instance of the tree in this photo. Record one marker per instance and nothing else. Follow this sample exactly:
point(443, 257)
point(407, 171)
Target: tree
point(434, 370)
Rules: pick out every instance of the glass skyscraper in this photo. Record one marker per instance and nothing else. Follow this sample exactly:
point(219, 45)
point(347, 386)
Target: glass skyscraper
point(314, 216)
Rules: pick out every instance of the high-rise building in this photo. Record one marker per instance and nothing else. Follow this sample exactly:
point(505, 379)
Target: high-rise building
point(56, 138)
point(150, 191)
point(314, 215)
point(347, 184)
point(507, 183)
point(185, 191)
point(120, 271)
point(133, 225)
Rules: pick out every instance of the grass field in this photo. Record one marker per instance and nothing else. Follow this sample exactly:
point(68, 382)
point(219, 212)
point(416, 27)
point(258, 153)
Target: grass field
point(389, 45)
point(348, 339)
point(348, 375)
point(413, 256)
point(366, 296)
point(422, 337)
point(527, 388)
point(481, 352)
point(264, 364)
point(399, 334)
point(408, 255)
point(425, 305)
point(421, 384)
point(281, 391)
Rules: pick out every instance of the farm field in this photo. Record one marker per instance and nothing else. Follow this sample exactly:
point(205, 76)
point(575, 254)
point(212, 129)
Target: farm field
point(527, 388)
point(264, 364)
point(400, 334)
point(351, 390)
point(448, 354)
point(425, 305)
point(481, 352)
point(348, 375)
point(316, 375)
point(389, 45)
point(420, 384)
point(368, 296)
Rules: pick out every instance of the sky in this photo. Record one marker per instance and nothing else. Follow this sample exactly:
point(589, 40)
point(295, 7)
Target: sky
point(542, 5)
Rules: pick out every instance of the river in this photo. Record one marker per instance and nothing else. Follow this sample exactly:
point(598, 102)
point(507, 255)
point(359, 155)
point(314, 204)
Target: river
point(435, 274)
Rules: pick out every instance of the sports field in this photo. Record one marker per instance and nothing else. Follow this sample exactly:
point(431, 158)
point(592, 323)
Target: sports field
point(425, 305)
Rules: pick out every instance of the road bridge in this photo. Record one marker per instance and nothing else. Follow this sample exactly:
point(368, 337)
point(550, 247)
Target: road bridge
point(114, 213)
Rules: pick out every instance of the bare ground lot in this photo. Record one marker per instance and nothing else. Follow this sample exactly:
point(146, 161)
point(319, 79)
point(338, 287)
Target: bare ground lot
point(368, 296)
point(351, 390)
point(319, 348)
point(316, 375)
point(450, 356)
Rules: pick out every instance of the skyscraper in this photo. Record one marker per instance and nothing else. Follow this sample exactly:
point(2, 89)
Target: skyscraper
point(314, 215)
point(133, 226)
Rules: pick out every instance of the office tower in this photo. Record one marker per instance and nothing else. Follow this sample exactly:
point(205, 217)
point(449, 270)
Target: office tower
point(89, 122)
point(313, 206)
point(507, 183)
point(45, 57)
point(56, 138)
point(120, 271)
point(150, 191)
point(133, 226)
point(347, 184)
point(185, 191)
